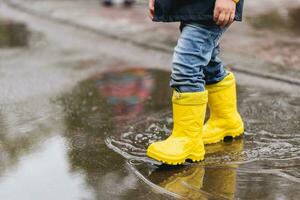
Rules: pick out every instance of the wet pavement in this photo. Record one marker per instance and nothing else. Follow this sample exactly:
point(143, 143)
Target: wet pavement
point(266, 43)
point(274, 20)
point(13, 34)
point(75, 122)
point(90, 142)
point(264, 164)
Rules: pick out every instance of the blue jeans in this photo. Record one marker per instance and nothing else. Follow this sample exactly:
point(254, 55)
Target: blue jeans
point(195, 60)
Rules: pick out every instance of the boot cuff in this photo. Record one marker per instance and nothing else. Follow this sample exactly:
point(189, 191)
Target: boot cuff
point(190, 98)
point(227, 82)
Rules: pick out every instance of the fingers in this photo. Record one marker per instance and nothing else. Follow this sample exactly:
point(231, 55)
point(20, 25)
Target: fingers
point(231, 18)
point(151, 8)
point(151, 14)
point(224, 12)
point(221, 19)
point(224, 18)
point(217, 12)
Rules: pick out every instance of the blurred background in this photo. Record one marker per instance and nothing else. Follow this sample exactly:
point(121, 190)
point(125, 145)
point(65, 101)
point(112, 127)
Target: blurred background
point(84, 90)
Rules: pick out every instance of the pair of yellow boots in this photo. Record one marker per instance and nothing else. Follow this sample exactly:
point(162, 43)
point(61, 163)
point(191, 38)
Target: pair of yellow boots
point(189, 134)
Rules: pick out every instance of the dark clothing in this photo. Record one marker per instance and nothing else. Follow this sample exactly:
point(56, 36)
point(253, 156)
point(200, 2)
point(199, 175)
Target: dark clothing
point(189, 10)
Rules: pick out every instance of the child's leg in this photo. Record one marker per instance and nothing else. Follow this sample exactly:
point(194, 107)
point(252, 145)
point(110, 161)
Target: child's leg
point(192, 53)
point(196, 45)
point(214, 72)
point(224, 118)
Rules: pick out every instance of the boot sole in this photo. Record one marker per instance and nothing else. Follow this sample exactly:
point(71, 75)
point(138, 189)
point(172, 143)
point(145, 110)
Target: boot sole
point(176, 161)
point(232, 133)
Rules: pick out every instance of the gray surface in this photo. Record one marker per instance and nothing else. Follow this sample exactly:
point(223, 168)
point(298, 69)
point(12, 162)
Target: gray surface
point(243, 44)
point(59, 125)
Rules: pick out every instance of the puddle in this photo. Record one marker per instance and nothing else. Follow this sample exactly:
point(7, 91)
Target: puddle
point(269, 150)
point(93, 142)
point(282, 20)
point(107, 105)
point(13, 34)
point(57, 148)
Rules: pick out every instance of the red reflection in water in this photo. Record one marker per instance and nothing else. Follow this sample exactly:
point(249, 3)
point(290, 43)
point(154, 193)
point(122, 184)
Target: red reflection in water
point(126, 90)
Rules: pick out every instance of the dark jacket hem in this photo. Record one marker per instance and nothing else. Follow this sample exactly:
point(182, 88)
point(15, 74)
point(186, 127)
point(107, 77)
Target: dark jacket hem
point(189, 17)
point(189, 10)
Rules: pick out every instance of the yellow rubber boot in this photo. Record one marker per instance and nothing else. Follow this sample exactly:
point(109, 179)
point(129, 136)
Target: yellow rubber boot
point(187, 184)
point(185, 142)
point(224, 118)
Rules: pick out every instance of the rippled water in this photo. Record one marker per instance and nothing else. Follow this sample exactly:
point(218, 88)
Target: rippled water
point(90, 143)
point(267, 154)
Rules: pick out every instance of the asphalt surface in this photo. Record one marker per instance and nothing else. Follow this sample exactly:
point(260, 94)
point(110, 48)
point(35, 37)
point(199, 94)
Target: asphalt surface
point(78, 110)
point(266, 44)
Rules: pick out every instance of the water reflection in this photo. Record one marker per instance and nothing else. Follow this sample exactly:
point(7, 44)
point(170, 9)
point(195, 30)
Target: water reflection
point(126, 91)
point(13, 34)
point(24, 127)
point(106, 105)
point(279, 20)
point(198, 180)
point(124, 111)
point(269, 150)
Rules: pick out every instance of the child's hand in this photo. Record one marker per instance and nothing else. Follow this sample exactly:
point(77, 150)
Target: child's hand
point(151, 8)
point(224, 12)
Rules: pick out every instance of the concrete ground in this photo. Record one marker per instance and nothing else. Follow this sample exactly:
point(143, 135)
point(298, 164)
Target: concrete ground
point(267, 43)
point(80, 103)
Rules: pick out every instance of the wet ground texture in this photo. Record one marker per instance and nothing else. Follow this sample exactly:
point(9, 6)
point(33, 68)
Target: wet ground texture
point(13, 34)
point(75, 124)
point(103, 126)
point(262, 163)
point(287, 21)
